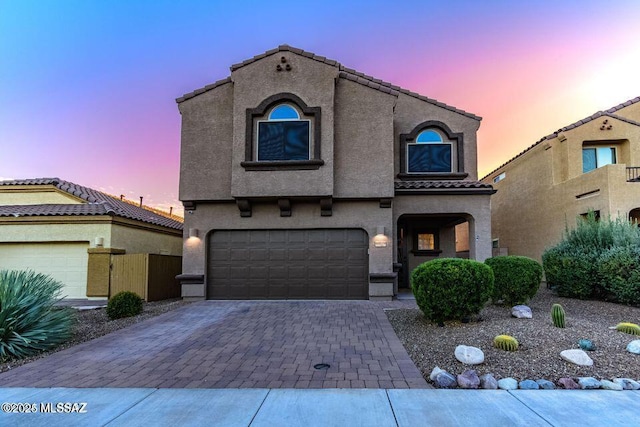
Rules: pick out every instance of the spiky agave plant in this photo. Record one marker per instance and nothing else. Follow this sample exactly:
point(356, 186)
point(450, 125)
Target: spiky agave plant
point(29, 323)
point(505, 342)
point(628, 328)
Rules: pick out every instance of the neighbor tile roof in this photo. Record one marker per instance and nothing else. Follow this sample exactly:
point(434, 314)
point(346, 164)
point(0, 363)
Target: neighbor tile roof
point(429, 185)
point(346, 73)
point(606, 113)
point(97, 203)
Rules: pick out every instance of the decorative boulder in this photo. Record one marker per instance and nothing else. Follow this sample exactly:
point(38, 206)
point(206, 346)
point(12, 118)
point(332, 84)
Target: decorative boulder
point(488, 382)
point(445, 380)
point(568, 384)
point(507, 384)
point(634, 347)
point(435, 373)
point(521, 312)
point(468, 379)
point(577, 357)
point(588, 383)
point(469, 355)
point(586, 345)
point(627, 383)
point(545, 384)
point(610, 385)
point(529, 385)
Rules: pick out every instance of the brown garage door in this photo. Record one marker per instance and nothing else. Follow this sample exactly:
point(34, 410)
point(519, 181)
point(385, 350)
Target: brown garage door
point(288, 264)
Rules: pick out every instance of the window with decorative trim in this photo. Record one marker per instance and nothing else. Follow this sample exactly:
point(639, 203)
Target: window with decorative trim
point(283, 133)
point(431, 151)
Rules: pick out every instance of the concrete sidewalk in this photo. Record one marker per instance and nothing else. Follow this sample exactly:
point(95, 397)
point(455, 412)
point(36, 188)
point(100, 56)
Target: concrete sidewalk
point(328, 407)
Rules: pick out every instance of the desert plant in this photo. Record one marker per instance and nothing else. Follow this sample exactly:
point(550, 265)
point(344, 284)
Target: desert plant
point(517, 278)
point(557, 315)
point(505, 342)
point(619, 274)
point(29, 322)
point(628, 328)
point(451, 288)
point(124, 304)
point(572, 266)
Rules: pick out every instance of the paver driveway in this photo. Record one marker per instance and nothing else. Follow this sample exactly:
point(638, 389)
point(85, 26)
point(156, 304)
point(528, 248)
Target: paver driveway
point(229, 344)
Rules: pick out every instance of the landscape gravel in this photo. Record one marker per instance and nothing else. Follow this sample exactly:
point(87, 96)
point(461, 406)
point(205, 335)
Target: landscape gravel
point(538, 355)
point(95, 323)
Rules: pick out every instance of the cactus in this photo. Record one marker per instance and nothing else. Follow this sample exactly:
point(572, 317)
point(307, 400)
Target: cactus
point(505, 342)
point(628, 328)
point(557, 315)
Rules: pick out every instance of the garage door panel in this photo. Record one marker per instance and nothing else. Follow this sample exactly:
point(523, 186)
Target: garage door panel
point(65, 262)
point(286, 264)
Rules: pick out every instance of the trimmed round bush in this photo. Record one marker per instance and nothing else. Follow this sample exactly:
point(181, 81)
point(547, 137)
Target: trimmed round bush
point(517, 278)
point(124, 304)
point(29, 322)
point(619, 274)
point(451, 288)
point(572, 271)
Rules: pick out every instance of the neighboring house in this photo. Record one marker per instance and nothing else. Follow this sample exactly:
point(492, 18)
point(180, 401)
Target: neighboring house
point(301, 178)
point(55, 227)
point(593, 164)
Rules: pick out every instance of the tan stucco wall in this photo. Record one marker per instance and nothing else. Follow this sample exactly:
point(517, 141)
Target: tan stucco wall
point(206, 148)
point(136, 240)
point(47, 232)
point(545, 189)
point(314, 83)
point(364, 125)
point(26, 195)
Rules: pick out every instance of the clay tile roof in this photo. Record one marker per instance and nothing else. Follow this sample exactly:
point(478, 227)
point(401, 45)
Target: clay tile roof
point(606, 113)
point(97, 203)
point(448, 185)
point(346, 73)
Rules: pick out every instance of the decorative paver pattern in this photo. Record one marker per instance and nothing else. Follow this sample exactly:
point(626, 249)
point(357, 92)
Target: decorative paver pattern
point(239, 344)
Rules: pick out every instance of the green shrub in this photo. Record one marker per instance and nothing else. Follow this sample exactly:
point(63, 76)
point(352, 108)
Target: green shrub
point(451, 288)
point(124, 304)
point(619, 274)
point(29, 322)
point(517, 278)
point(573, 267)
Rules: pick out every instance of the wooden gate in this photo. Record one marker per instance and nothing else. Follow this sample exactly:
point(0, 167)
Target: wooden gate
point(151, 276)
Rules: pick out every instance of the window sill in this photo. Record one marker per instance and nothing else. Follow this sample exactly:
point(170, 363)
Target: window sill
point(282, 165)
point(432, 175)
point(435, 252)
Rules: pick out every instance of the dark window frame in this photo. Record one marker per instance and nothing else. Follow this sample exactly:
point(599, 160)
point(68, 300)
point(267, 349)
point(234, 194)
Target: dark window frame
point(253, 115)
point(455, 139)
point(436, 242)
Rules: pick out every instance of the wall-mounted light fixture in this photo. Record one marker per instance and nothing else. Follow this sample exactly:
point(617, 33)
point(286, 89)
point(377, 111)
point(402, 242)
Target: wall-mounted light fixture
point(99, 242)
point(194, 232)
point(380, 240)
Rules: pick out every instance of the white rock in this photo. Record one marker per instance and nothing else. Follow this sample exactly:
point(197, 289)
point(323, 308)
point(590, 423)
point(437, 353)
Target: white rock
point(521, 312)
point(627, 383)
point(578, 357)
point(469, 355)
point(634, 347)
point(435, 373)
point(610, 385)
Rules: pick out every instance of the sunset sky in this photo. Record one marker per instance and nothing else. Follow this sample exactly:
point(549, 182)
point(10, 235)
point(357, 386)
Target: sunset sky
point(88, 88)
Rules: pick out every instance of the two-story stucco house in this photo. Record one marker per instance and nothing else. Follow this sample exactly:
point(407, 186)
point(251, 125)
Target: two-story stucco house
point(593, 164)
point(301, 178)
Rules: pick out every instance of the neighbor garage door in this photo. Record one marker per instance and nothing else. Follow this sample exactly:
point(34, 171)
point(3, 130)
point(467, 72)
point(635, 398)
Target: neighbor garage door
point(65, 262)
point(288, 264)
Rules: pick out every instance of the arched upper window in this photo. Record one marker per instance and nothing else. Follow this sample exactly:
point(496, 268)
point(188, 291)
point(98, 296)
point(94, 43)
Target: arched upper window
point(428, 136)
point(429, 153)
point(284, 112)
point(283, 135)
